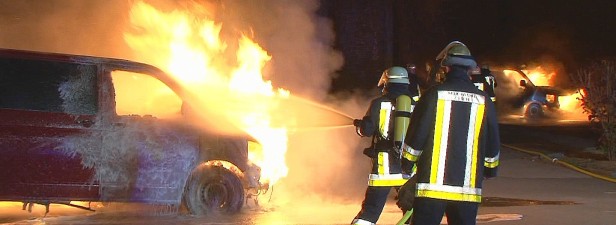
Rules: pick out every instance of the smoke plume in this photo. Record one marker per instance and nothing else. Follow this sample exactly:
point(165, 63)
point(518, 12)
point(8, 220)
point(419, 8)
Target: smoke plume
point(325, 163)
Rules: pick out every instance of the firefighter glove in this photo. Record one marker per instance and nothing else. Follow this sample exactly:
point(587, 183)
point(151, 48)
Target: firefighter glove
point(356, 122)
point(406, 195)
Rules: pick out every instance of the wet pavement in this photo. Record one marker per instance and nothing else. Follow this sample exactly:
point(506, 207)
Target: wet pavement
point(587, 200)
point(528, 191)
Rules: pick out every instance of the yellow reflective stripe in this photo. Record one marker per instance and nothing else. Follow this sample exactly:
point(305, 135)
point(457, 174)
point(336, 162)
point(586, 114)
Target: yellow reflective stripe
point(387, 179)
point(438, 132)
point(384, 183)
point(384, 115)
point(478, 122)
point(440, 175)
point(449, 188)
point(448, 196)
point(410, 153)
point(491, 164)
point(381, 163)
point(409, 156)
point(395, 176)
point(448, 192)
point(479, 86)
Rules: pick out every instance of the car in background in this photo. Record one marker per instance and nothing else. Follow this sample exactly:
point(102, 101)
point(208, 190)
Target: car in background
point(61, 140)
point(534, 101)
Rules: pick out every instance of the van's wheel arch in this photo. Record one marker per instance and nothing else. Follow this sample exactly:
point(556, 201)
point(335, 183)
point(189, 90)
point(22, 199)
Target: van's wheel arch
point(213, 189)
point(533, 110)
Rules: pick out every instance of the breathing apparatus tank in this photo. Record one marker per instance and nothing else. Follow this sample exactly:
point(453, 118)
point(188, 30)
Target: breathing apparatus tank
point(402, 118)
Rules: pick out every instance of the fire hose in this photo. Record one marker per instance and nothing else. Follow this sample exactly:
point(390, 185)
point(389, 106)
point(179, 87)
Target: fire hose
point(566, 164)
point(408, 214)
point(406, 217)
point(542, 155)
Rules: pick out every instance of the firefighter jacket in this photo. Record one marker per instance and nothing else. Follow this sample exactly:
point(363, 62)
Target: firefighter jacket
point(485, 82)
point(380, 123)
point(455, 137)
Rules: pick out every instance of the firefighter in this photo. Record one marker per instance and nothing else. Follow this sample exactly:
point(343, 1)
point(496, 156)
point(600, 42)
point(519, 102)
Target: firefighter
point(455, 137)
point(413, 81)
point(485, 81)
point(386, 121)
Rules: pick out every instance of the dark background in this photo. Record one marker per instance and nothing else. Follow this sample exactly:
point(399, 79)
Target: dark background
point(373, 35)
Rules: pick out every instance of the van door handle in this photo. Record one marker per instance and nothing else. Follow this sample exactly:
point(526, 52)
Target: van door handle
point(86, 123)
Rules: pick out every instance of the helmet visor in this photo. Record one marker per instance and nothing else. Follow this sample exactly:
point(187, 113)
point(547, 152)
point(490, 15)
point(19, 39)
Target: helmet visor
point(382, 80)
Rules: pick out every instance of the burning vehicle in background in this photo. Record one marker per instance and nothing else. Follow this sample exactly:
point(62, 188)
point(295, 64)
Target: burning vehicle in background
point(62, 139)
point(534, 100)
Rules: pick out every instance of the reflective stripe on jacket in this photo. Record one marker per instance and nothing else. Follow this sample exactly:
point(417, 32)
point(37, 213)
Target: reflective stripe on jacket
point(386, 161)
point(386, 168)
point(454, 128)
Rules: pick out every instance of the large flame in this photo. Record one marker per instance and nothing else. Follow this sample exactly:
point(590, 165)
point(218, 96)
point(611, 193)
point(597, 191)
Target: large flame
point(572, 102)
point(222, 76)
point(540, 76)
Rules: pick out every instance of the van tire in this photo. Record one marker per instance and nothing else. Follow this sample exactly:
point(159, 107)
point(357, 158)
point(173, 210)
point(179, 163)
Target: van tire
point(533, 110)
point(213, 189)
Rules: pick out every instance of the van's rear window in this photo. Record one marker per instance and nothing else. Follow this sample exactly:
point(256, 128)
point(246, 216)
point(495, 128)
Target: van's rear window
point(48, 86)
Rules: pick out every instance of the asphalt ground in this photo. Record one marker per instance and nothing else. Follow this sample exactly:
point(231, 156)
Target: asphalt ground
point(529, 190)
point(544, 193)
point(571, 141)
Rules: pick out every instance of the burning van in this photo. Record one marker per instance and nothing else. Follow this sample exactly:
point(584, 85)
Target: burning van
point(534, 100)
point(62, 139)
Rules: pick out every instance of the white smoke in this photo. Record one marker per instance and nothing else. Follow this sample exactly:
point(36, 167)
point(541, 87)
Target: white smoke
point(324, 163)
point(67, 26)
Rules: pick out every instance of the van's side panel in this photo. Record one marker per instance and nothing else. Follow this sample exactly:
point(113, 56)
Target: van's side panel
point(35, 118)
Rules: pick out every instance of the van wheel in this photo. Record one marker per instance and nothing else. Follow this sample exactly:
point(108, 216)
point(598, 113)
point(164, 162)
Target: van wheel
point(534, 110)
point(214, 189)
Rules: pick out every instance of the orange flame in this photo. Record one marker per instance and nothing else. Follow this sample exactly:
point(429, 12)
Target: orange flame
point(224, 77)
point(153, 96)
point(539, 76)
point(571, 102)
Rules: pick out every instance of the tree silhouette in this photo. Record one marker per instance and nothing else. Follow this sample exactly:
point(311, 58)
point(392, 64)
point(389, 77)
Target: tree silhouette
point(599, 100)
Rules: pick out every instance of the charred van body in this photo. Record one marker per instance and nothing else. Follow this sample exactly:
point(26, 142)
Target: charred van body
point(62, 140)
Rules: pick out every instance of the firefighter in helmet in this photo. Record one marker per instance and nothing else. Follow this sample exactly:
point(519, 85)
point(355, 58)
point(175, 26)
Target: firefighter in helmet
point(413, 81)
point(454, 131)
point(484, 80)
point(386, 121)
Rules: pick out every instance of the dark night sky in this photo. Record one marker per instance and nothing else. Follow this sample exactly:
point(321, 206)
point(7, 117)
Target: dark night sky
point(525, 30)
point(501, 32)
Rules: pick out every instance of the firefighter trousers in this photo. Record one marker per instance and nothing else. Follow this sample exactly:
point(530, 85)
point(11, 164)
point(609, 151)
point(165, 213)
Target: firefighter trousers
point(373, 203)
point(429, 211)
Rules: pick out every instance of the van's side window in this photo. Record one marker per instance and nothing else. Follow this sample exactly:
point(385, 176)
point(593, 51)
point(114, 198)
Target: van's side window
point(142, 94)
point(48, 86)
